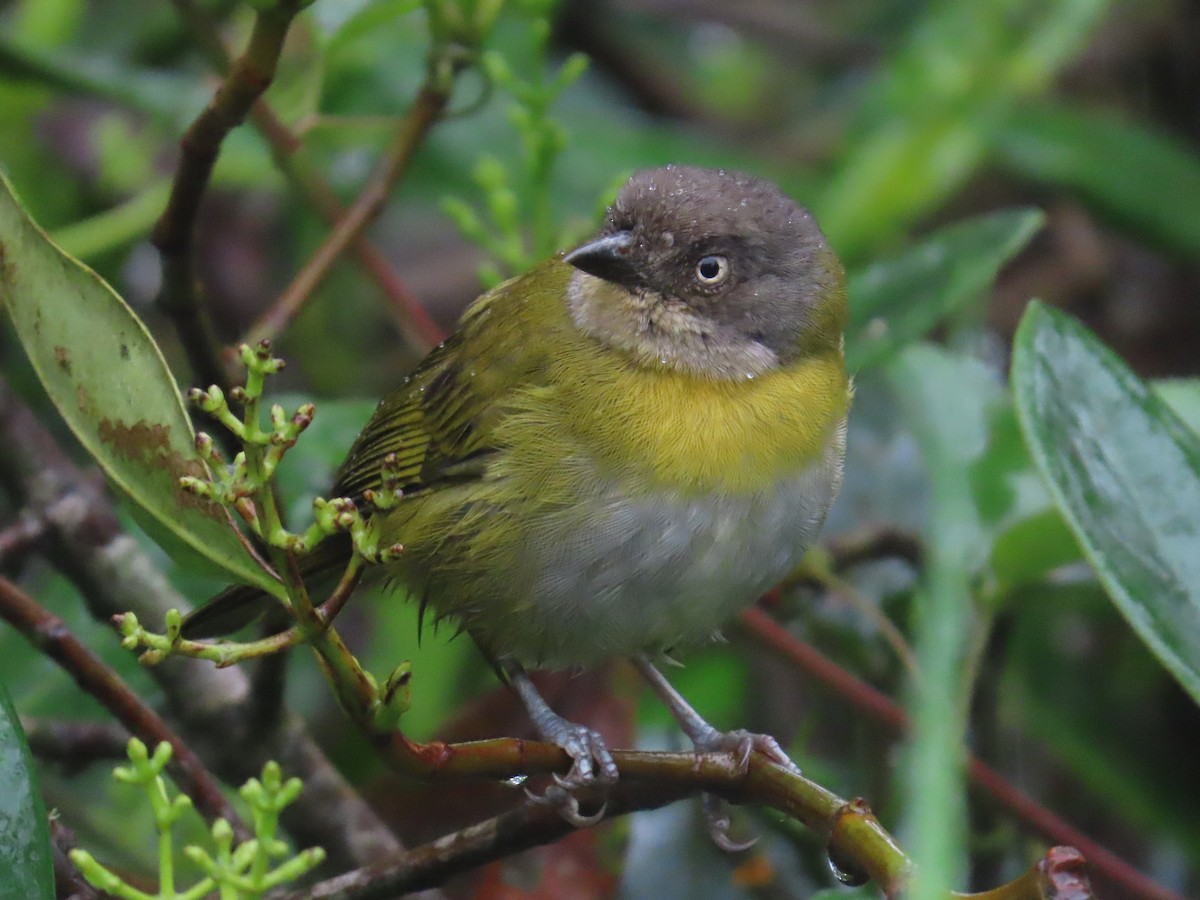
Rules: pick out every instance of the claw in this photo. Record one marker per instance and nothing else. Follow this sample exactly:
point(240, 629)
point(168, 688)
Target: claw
point(566, 804)
point(740, 744)
point(592, 765)
point(716, 815)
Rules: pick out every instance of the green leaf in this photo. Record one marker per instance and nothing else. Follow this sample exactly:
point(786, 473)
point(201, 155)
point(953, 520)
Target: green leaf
point(1125, 472)
point(932, 107)
point(1183, 396)
point(26, 868)
point(1031, 548)
point(897, 301)
point(109, 381)
point(1136, 175)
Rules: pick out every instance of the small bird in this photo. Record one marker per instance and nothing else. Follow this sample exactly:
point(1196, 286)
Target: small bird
point(619, 450)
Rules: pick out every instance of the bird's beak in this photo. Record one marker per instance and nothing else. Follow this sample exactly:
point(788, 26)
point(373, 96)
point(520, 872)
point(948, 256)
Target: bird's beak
point(609, 257)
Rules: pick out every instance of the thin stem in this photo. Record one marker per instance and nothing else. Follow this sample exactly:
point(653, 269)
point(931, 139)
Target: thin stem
point(211, 705)
point(415, 323)
point(428, 108)
point(49, 634)
point(875, 705)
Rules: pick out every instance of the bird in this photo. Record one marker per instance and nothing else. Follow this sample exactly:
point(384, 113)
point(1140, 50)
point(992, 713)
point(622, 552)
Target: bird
point(617, 451)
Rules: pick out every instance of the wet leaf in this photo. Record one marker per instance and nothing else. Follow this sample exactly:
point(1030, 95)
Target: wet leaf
point(109, 381)
point(1125, 472)
point(26, 870)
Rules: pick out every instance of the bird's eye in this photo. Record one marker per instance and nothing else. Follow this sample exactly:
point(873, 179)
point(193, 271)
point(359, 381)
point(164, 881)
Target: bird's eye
point(712, 270)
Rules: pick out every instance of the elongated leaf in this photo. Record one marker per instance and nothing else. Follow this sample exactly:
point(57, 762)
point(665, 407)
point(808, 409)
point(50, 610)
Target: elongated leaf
point(1125, 472)
point(894, 302)
point(1183, 396)
point(26, 870)
point(109, 381)
point(1136, 175)
point(931, 108)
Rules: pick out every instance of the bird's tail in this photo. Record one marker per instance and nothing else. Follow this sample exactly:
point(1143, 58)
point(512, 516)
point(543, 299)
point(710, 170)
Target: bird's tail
point(241, 604)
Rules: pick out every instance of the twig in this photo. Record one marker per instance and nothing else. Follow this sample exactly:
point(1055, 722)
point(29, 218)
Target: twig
point(874, 542)
point(68, 883)
point(75, 745)
point(428, 107)
point(1060, 873)
point(875, 705)
point(19, 537)
point(249, 76)
point(415, 323)
point(211, 705)
point(49, 634)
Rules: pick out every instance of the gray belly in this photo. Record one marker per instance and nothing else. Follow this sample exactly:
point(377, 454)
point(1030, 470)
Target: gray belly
point(652, 574)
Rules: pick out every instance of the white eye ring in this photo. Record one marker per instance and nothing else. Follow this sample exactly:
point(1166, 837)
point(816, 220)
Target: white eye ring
point(712, 270)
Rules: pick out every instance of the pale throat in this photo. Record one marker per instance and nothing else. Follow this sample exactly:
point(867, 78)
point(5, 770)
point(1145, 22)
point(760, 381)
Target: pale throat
point(660, 331)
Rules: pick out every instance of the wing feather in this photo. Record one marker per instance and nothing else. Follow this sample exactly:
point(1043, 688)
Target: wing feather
point(438, 424)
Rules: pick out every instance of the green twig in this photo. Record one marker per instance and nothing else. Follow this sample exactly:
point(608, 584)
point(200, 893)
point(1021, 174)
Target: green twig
point(238, 873)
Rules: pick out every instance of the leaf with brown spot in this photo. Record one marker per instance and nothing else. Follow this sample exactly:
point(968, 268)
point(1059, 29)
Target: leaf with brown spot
point(111, 385)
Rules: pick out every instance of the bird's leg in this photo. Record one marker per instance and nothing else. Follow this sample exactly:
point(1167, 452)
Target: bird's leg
point(592, 764)
point(706, 739)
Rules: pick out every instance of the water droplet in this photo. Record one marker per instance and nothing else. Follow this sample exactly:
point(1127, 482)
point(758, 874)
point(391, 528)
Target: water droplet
point(847, 873)
point(749, 376)
point(517, 780)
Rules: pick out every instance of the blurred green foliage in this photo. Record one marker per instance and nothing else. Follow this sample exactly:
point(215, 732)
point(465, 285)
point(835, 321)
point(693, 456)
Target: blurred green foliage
point(920, 134)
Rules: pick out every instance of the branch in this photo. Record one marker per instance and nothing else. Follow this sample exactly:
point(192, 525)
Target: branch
point(49, 634)
point(414, 321)
point(875, 705)
point(75, 745)
point(19, 537)
point(211, 705)
point(1059, 874)
point(852, 830)
point(68, 883)
point(430, 103)
point(249, 77)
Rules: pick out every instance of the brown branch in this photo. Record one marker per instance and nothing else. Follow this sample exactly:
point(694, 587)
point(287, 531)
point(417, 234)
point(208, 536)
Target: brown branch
point(49, 634)
point(68, 883)
point(426, 110)
point(874, 542)
point(852, 832)
point(877, 706)
point(852, 829)
point(648, 781)
point(211, 706)
point(413, 320)
point(249, 76)
point(19, 537)
point(75, 745)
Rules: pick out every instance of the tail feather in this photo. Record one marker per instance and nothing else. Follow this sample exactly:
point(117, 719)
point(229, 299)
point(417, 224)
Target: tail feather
point(241, 604)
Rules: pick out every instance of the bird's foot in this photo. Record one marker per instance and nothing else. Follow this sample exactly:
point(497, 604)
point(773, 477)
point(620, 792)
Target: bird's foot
point(592, 766)
point(716, 816)
point(740, 744)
